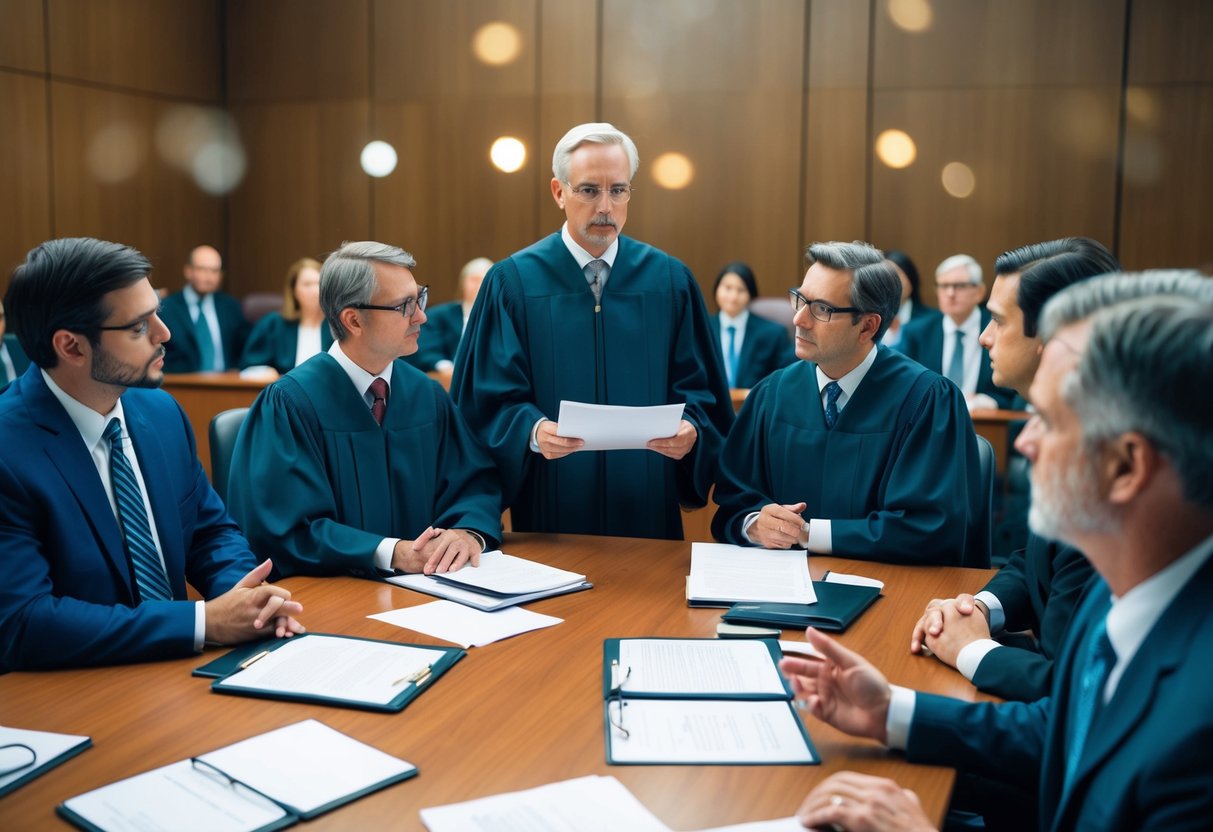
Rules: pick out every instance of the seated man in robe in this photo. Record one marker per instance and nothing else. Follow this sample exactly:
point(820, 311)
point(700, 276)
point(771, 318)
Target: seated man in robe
point(354, 462)
point(855, 450)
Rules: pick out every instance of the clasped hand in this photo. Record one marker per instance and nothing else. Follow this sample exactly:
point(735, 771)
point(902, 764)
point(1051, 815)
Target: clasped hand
point(947, 625)
point(779, 526)
point(242, 613)
point(437, 550)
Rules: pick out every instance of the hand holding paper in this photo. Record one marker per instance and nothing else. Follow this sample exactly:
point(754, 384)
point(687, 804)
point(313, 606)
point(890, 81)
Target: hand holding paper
point(615, 428)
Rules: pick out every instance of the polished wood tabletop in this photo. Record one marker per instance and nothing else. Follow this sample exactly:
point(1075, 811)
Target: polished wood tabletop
point(511, 715)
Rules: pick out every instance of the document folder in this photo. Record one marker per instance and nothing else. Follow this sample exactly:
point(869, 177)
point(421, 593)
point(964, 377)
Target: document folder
point(837, 606)
point(46, 750)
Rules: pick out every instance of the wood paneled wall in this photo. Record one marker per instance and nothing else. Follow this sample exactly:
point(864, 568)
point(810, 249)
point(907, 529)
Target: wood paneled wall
point(1076, 117)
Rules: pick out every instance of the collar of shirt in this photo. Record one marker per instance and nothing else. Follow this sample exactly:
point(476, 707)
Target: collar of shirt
point(850, 382)
point(971, 327)
point(740, 321)
point(582, 256)
point(89, 422)
point(1136, 612)
point(360, 378)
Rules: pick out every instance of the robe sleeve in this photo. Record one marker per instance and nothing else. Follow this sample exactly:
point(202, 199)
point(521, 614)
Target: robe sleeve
point(281, 495)
point(262, 345)
point(468, 490)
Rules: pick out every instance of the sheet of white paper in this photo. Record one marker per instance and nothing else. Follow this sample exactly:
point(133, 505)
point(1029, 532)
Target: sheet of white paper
point(608, 427)
point(47, 746)
point(855, 580)
point(465, 626)
point(702, 731)
point(677, 666)
point(175, 798)
point(727, 573)
point(481, 601)
point(306, 765)
point(509, 575)
point(777, 825)
point(586, 804)
point(799, 648)
point(341, 668)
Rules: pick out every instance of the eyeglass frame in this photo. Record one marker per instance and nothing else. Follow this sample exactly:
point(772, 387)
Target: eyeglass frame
point(954, 287)
point(799, 301)
point(408, 309)
point(616, 696)
point(33, 758)
point(579, 191)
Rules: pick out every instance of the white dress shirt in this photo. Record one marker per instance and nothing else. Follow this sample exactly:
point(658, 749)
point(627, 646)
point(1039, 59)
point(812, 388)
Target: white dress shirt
point(972, 355)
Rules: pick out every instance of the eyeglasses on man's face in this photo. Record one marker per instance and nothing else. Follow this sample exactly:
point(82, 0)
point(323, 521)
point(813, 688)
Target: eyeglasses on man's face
point(819, 309)
point(408, 309)
point(955, 287)
point(591, 194)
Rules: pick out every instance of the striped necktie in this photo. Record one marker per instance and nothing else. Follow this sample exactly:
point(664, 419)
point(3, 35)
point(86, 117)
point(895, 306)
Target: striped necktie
point(132, 515)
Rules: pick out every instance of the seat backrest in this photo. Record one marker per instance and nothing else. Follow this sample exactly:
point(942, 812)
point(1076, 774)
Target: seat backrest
point(223, 431)
point(777, 310)
point(256, 305)
point(979, 552)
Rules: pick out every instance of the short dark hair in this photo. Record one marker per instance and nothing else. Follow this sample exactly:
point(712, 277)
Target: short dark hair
point(907, 266)
point(62, 285)
point(1047, 268)
point(875, 287)
point(744, 272)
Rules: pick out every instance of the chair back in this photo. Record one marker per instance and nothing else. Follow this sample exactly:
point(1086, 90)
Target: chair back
point(777, 310)
point(224, 429)
point(983, 527)
point(256, 305)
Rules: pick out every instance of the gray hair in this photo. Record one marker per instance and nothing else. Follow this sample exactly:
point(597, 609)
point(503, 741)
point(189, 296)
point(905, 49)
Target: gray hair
point(958, 260)
point(1148, 367)
point(348, 278)
point(480, 265)
point(875, 286)
point(1081, 300)
point(592, 133)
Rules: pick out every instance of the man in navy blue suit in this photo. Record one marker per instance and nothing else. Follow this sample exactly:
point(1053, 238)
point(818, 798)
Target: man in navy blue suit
point(105, 512)
point(1122, 450)
point(208, 326)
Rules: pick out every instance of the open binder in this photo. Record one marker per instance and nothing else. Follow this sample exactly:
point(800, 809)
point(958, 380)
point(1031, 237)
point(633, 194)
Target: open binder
point(266, 782)
point(332, 670)
point(699, 702)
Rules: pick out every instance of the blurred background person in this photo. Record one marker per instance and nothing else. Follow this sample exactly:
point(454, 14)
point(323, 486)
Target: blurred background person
point(285, 339)
point(207, 324)
point(13, 360)
point(444, 323)
point(751, 346)
point(912, 305)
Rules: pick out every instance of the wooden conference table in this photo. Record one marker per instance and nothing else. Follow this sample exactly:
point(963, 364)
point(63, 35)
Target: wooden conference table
point(511, 715)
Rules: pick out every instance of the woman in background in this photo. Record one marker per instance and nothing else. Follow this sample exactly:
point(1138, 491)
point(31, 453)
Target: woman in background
point(751, 346)
point(284, 340)
point(911, 300)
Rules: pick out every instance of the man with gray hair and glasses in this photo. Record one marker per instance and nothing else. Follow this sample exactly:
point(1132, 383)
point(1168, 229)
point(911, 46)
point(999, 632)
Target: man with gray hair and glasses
point(1122, 453)
point(854, 450)
point(587, 315)
point(354, 462)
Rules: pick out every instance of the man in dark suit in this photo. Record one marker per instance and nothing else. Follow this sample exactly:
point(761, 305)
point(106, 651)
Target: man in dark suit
point(208, 325)
point(1121, 456)
point(13, 360)
point(444, 323)
point(1039, 588)
point(105, 512)
point(948, 344)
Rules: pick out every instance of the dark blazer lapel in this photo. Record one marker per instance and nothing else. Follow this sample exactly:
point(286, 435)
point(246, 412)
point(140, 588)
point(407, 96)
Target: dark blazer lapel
point(156, 478)
point(75, 465)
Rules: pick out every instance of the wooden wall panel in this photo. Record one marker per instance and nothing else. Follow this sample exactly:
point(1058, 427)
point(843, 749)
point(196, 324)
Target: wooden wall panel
point(736, 118)
point(983, 43)
point(157, 208)
point(22, 44)
point(442, 108)
point(171, 49)
point(1044, 162)
point(304, 191)
point(1169, 42)
point(24, 170)
point(287, 50)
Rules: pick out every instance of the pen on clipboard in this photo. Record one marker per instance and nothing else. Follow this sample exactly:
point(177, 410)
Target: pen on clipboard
point(417, 677)
point(244, 665)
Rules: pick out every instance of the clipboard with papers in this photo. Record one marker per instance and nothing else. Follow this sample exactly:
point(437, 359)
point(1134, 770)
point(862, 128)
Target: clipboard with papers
point(673, 701)
point(328, 669)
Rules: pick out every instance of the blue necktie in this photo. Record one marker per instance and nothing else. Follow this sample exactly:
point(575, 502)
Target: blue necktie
point(206, 346)
point(1098, 658)
point(833, 391)
point(731, 358)
point(956, 367)
point(132, 515)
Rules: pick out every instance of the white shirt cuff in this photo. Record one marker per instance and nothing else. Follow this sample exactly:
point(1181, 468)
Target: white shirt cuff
point(384, 552)
point(199, 626)
point(535, 435)
point(998, 618)
point(901, 714)
point(970, 656)
point(445, 365)
point(745, 526)
point(821, 536)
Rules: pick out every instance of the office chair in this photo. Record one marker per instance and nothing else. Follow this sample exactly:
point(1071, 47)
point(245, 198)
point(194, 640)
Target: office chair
point(979, 551)
point(256, 305)
point(223, 431)
point(777, 310)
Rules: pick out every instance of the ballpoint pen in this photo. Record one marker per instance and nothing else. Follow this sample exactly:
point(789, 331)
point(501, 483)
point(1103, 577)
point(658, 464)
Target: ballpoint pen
point(417, 677)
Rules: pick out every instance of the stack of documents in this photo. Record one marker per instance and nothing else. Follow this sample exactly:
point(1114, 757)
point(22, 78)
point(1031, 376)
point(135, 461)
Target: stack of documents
point(500, 581)
point(266, 782)
point(722, 575)
point(42, 751)
point(699, 702)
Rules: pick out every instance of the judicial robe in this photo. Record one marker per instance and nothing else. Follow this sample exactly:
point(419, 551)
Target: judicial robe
point(317, 485)
point(897, 476)
point(534, 338)
point(274, 342)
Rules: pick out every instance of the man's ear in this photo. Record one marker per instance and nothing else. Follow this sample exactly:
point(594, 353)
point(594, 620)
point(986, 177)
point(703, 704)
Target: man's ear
point(350, 319)
point(72, 348)
point(1130, 462)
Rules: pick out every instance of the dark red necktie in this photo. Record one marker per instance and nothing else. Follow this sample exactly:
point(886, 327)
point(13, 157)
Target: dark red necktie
point(379, 405)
